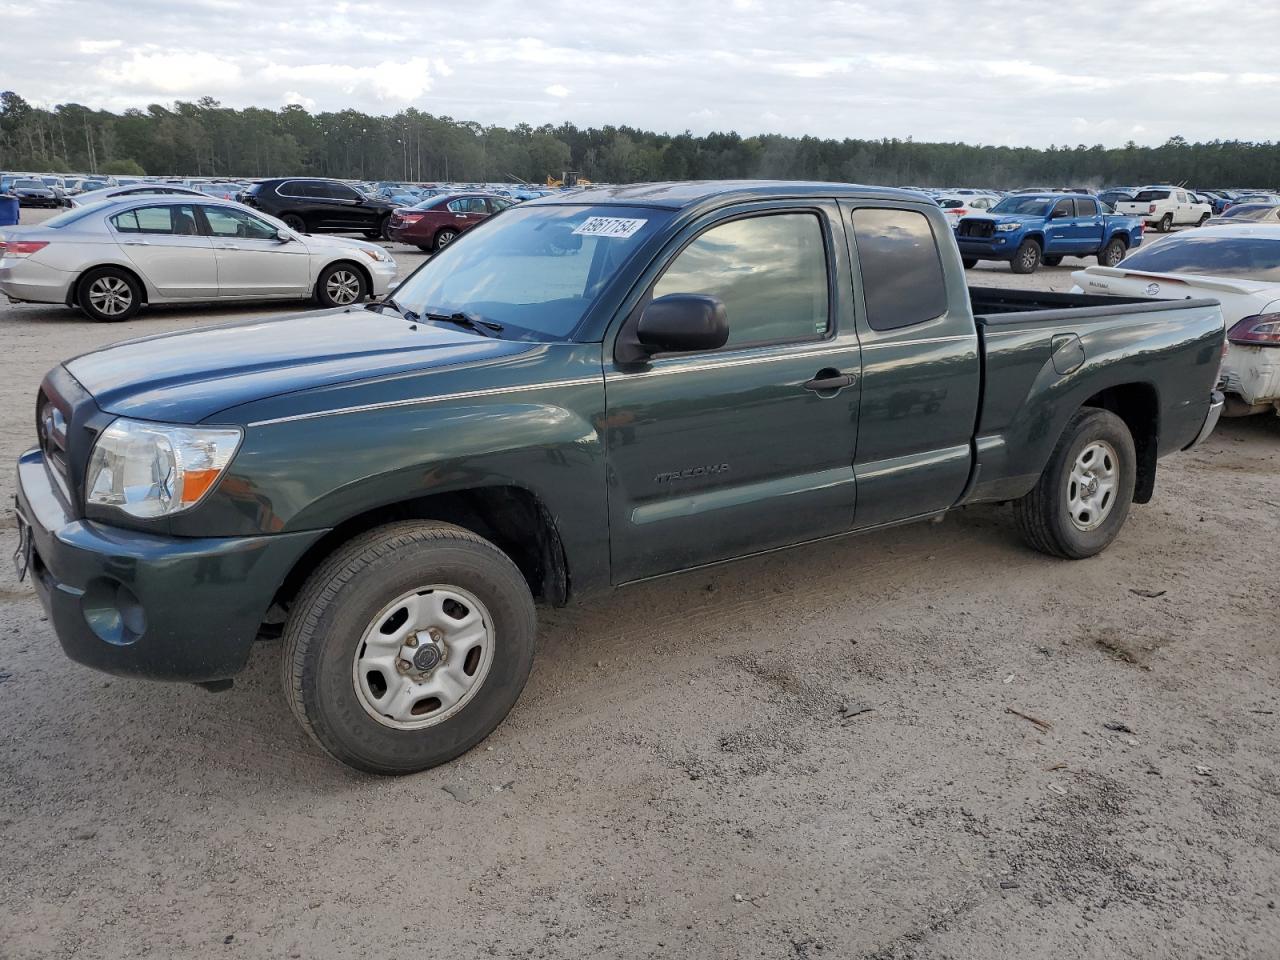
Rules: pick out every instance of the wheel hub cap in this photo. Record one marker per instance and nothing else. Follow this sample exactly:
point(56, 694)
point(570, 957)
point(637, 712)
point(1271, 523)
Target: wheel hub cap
point(427, 657)
point(1092, 485)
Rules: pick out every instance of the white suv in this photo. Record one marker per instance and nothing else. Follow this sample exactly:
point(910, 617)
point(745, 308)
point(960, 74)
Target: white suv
point(1166, 207)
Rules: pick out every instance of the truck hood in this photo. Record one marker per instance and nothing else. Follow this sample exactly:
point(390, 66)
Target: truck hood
point(190, 376)
point(1018, 218)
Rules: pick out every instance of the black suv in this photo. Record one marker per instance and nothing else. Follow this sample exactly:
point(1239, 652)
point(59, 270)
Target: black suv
point(310, 205)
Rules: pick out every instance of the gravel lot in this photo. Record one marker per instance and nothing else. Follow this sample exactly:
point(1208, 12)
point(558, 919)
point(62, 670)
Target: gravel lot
point(678, 779)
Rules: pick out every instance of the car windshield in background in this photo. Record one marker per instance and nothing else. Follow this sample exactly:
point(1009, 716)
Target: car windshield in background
point(1023, 206)
point(1146, 196)
point(1242, 258)
point(535, 270)
point(1250, 211)
point(29, 183)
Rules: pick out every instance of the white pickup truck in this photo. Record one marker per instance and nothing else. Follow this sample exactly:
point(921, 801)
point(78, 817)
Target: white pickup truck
point(1166, 207)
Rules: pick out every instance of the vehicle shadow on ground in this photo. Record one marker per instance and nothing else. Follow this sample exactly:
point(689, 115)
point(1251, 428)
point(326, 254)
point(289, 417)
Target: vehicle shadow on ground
point(250, 732)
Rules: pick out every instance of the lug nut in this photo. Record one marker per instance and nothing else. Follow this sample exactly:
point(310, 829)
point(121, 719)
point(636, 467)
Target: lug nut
point(404, 666)
point(435, 634)
point(411, 642)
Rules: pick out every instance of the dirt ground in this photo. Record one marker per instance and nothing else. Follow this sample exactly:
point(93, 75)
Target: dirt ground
point(688, 773)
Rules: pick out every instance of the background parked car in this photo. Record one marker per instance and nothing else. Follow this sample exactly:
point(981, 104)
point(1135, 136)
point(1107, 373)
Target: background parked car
point(1166, 208)
point(311, 205)
point(34, 193)
point(1237, 265)
point(436, 222)
point(959, 206)
point(1028, 230)
point(137, 190)
point(1248, 213)
point(110, 258)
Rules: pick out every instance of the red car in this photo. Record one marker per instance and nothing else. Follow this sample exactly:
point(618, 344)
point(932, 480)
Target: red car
point(436, 221)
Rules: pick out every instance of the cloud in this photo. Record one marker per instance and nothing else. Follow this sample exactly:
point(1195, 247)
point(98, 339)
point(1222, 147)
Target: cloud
point(292, 97)
point(189, 71)
point(98, 46)
point(557, 90)
point(388, 82)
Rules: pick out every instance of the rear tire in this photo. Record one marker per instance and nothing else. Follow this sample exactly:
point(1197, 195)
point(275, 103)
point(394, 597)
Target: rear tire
point(1027, 257)
point(1166, 223)
point(969, 262)
point(1082, 498)
point(1112, 253)
point(444, 238)
point(109, 295)
point(1203, 219)
point(330, 662)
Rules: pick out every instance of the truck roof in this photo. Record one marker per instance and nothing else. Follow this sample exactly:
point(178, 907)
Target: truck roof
point(684, 194)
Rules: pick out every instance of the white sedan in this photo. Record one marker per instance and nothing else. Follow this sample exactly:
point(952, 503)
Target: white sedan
point(1239, 266)
point(111, 257)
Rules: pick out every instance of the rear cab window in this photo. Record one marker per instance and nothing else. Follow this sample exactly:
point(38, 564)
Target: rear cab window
point(902, 279)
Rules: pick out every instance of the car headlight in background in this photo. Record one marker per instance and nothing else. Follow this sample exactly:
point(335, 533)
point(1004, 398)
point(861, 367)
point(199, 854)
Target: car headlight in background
point(1007, 227)
point(150, 470)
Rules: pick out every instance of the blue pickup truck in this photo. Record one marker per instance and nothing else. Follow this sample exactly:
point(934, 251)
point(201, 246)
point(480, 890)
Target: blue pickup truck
point(1030, 229)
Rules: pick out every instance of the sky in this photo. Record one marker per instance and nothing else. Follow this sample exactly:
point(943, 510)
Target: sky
point(974, 71)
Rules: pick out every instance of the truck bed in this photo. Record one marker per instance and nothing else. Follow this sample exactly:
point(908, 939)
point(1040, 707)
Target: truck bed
point(1047, 353)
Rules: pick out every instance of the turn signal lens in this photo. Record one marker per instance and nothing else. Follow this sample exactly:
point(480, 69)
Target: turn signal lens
point(21, 248)
point(1260, 330)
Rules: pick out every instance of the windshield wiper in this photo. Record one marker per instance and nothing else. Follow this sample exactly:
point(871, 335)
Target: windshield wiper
point(389, 302)
point(464, 318)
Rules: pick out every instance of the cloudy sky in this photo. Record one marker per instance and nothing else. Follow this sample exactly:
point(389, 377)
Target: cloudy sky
point(977, 71)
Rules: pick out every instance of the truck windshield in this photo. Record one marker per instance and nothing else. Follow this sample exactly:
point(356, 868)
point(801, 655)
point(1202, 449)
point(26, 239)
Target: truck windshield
point(1023, 206)
point(1245, 258)
point(535, 270)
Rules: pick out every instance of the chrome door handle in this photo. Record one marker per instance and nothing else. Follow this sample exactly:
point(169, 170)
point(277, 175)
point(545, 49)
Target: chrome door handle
point(828, 380)
point(136, 243)
point(227, 246)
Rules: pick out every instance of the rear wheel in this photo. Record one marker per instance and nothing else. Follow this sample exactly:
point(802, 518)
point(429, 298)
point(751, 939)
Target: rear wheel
point(445, 237)
point(1052, 261)
point(969, 262)
point(1112, 253)
point(109, 295)
point(1166, 223)
point(1082, 498)
point(340, 285)
point(294, 222)
point(1203, 218)
point(1027, 257)
point(408, 646)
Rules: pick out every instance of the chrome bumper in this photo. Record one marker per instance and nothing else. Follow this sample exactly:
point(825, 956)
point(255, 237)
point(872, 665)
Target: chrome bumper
point(1216, 402)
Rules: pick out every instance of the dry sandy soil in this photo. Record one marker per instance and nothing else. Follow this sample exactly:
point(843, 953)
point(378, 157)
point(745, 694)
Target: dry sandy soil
point(679, 778)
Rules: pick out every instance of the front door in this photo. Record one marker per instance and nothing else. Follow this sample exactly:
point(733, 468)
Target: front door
point(719, 454)
point(1060, 228)
point(252, 260)
point(165, 243)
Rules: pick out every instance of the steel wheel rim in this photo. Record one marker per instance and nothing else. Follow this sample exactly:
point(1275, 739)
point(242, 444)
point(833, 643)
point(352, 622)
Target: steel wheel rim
point(423, 657)
point(1092, 485)
point(343, 287)
point(110, 296)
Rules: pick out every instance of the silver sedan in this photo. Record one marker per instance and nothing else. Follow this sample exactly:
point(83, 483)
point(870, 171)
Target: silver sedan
point(111, 257)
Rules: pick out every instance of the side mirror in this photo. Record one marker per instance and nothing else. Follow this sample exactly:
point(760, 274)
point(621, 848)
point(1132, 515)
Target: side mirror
point(677, 323)
point(284, 236)
point(1059, 214)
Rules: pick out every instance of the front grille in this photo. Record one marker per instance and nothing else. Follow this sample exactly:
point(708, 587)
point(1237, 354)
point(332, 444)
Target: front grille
point(977, 228)
point(52, 417)
point(68, 422)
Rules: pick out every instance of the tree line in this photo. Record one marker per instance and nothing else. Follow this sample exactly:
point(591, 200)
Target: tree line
point(204, 138)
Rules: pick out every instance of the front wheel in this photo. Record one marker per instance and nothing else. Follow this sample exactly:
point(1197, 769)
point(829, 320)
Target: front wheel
point(1082, 498)
point(1204, 218)
point(1027, 257)
point(1112, 253)
point(408, 646)
point(340, 285)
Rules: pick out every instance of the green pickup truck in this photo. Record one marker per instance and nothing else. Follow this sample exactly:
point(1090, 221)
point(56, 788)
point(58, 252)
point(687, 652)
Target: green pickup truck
point(586, 391)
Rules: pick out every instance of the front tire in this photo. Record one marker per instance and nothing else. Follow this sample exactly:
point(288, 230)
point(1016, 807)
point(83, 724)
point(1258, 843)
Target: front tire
point(408, 646)
point(1027, 257)
point(109, 295)
point(1112, 253)
point(1082, 498)
point(1204, 218)
point(340, 285)
point(969, 262)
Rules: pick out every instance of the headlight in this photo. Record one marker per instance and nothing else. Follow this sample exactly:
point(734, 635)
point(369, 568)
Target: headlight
point(1008, 227)
point(375, 253)
point(152, 470)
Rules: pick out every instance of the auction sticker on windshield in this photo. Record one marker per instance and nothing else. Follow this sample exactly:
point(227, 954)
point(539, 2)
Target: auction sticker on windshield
point(618, 227)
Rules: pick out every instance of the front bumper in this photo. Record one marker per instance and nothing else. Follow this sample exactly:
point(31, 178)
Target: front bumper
point(136, 604)
point(28, 280)
point(382, 273)
point(1216, 402)
point(1001, 246)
